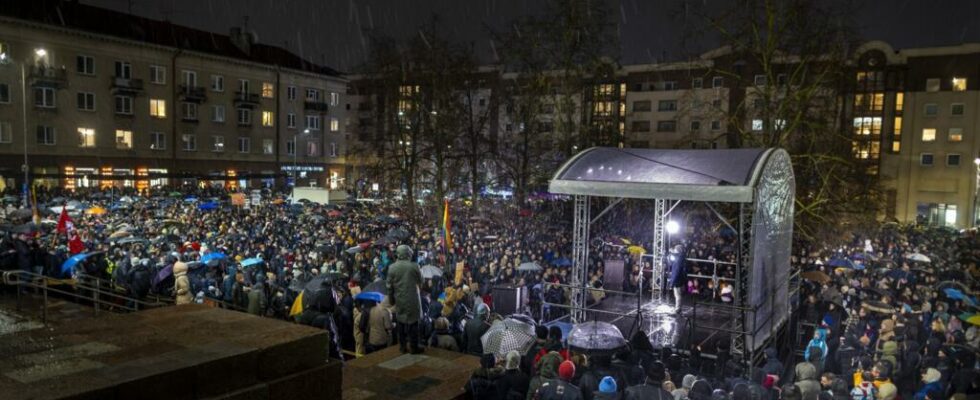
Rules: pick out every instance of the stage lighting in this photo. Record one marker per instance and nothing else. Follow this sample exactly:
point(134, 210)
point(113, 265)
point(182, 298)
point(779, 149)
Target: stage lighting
point(673, 227)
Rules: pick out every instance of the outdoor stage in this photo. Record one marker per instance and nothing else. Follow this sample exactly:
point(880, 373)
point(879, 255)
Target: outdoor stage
point(387, 374)
point(664, 327)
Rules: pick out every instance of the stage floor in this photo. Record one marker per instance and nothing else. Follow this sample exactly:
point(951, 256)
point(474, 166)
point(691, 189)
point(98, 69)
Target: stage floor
point(665, 327)
point(388, 374)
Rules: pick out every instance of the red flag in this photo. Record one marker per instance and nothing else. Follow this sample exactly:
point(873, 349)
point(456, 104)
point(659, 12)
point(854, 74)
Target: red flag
point(65, 223)
point(75, 245)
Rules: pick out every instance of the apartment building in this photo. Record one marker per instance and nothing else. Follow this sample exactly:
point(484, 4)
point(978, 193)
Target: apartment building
point(919, 111)
point(98, 98)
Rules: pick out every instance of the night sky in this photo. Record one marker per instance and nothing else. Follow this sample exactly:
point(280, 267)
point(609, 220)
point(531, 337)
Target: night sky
point(331, 32)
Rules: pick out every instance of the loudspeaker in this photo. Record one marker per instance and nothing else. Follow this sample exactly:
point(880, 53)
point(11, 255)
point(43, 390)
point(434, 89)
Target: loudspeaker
point(509, 299)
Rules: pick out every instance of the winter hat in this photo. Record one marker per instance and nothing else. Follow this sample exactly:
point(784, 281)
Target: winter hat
point(932, 375)
point(688, 381)
point(513, 360)
point(607, 385)
point(566, 371)
point(718, 394)
point(656, 371)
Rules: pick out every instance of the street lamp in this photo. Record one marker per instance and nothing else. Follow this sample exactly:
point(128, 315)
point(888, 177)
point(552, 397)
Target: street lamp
point(296, 151)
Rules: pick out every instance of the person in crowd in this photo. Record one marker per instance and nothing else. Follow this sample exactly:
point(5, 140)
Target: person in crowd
point(442, 337)
point(482, 384)
point(562, 388)
point(806, 381)
point(474, 330)
point(653, 387)
point(404, 281)
point(607, 389)
point(182, 285)
point(514, 383)
point(678, 274)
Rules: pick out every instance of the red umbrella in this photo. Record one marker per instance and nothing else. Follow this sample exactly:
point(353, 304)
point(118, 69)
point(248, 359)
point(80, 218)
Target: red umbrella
point(334, 213)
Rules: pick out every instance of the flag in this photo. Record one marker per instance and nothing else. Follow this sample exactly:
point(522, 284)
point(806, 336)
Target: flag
point(65, 223)
point(36, 214)
point(446, 227)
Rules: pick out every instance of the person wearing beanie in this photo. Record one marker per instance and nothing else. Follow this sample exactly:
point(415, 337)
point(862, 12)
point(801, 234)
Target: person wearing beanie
point(932, 380)
point(719, 394)
point(559, 389)
point(514, 382)
point(483, 383)
point(806, 381)
point(607, 389)
point(600, 365)
point(700, 390)
point(527, 362)
point(474, 330)
point(652, 388)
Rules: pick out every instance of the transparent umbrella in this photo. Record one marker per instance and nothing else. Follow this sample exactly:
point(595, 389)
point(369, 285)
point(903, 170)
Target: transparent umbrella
point(430, 271)
point(596, 337)
point(506, 335)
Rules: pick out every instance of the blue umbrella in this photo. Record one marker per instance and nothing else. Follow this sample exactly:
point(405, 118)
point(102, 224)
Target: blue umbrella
point(248, 262)
point(71, 262)
point(845, 263)
point(956, 294)
point(373, 296)
point(563, 262)
point(190, 199)
point(214, 255)
point(207, 206)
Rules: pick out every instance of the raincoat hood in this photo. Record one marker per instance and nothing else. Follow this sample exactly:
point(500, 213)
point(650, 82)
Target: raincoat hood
point(180, 268)
point(806, 371)
point(403, 252)
point(548, 365)
point(890, 348)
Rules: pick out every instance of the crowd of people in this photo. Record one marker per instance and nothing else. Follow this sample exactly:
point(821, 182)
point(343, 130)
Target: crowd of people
point(886, 314)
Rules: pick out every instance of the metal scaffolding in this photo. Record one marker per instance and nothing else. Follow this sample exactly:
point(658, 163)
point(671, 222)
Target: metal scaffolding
point(580, 258)
point(659, 245)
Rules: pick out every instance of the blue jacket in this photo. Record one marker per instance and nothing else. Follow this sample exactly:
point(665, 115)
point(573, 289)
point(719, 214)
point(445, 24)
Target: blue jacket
point(819, 342)
point(931, 386)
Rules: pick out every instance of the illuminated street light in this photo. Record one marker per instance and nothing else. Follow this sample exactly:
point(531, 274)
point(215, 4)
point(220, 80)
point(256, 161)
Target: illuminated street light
point(40, 52)
point(673, 227)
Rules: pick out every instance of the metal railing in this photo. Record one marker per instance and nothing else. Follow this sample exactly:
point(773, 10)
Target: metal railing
point(89, 290)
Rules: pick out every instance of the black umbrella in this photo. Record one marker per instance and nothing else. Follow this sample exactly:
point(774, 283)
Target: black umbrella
point(398, 234)
point(29, 227)
point(22, 213)
point(318, 294)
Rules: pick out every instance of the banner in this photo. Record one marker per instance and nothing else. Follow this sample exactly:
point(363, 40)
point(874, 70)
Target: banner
point(459, 272)
point(238, 199)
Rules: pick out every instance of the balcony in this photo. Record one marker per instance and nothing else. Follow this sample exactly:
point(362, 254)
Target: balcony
point(126, 86)
point(41, 76)
point(246, 99)
point(315, 106)
point(193, 94)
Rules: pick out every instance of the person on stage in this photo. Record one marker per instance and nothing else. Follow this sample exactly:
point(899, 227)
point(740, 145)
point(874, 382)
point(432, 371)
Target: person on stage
point(678, 274)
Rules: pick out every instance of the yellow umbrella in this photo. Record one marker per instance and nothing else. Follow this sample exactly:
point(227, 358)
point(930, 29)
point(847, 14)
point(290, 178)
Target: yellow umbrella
point(626, 241)
point(974, 319)
point(95, 211)
point(297, 307)
point(636, 250)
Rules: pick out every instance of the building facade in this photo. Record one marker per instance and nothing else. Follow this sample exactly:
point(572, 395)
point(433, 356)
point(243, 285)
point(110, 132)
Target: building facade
point(151, 103)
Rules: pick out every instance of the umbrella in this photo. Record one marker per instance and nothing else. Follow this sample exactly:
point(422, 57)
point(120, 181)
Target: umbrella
point(71, 262)
point(214, 255)
point(897, 274)
point(372, 296)
point(596, 337)
point(248, 262)
point(131, 239)
point(970, 318)
point(11, 199)
point(163, 274)
point(119, 235)
point(317, 293)
point(29, 227)
point(816, 276)
point(490, 237)
point(878, 306)
point(509, 334)
point(21, 213)
point(383, 241)
point(563, 262)
point(918, 257)
point(956, 294)
point(844, 263)
point(356, 249)
point(380, 286)
point(635, 250)
point(529, 266)
point(430, 271)
point(334, 276)
point(207, 206)
point(96, 211)
point(398, 234)
point(334, 214)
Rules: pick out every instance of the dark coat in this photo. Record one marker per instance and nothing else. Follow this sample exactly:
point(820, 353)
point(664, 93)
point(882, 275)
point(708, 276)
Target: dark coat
point(678, 271)
point(557, 389)
point(472, 332)
point(646, 392)
point(513, 385)
point(483, 384)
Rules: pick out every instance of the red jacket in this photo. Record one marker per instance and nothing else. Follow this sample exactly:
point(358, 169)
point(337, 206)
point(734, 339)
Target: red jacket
point(75, 245)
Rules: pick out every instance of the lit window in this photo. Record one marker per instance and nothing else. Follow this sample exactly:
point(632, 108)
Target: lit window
point(757, 125)
point(217, 143)
point(86, 137)
point(959, 84)
point(898, 125)
point(932, 85)
point(950, 217)
point(955, 135)
point(124, 139)
point(267, 118)
point(929, 135)
point(899, 101)
point(158, 108)
point(268, 90)
point(334, 125)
